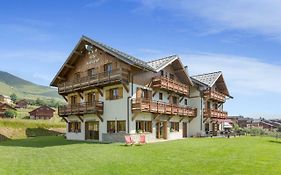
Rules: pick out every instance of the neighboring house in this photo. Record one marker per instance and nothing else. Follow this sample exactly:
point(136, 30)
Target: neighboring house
point(5, 99)
point(43, 113)
point(213, 93)
point(5, 107)
point(22, 104)
point(111, 94)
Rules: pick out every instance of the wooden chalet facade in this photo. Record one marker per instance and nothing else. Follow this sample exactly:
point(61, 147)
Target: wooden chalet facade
point(42, 113)
point(111, 94)
point(22, 103)
point(5, 107)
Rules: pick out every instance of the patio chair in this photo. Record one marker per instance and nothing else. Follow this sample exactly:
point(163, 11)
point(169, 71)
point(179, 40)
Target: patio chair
point(129, 140)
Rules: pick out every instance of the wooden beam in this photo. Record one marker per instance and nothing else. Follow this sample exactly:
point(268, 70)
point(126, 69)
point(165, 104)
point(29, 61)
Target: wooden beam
point(134, 116)
point(80, 94)
point(190, 119)
point(156, 116)
point(99, 116)
point(65, 119)
point(61, 78)
point(170, 118)
point(181, 98)
point(80, 118)
point(126, 87)
point(65, 98)
point(78, 53)
point(69, 66)
point(182, 119)
point(205, 120)
point(155, 92)
point(194, 96)
point(100, 92)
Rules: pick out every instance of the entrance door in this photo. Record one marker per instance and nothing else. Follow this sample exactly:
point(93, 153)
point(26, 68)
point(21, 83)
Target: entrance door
point(92, 130)
point(161, 128)
point(184, 129)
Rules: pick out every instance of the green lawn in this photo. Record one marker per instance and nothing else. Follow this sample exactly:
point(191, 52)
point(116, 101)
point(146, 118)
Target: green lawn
point(54, 155)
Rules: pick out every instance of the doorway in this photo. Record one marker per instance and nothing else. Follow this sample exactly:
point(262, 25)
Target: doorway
point(161, 130)
point(184, 129)
point(92, 130)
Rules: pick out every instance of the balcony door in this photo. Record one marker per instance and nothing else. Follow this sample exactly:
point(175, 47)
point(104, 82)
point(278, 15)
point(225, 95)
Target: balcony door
point(161, 130)
point(92, 130)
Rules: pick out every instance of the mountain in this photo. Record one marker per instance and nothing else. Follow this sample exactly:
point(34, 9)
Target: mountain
point(10, 84)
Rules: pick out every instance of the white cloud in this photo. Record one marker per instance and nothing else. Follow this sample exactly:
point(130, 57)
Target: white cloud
point(244, 75)
point(262, 16)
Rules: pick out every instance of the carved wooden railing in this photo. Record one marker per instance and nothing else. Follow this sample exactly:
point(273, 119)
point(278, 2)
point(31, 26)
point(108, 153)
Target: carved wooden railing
point(169, 84)
point(144, 105)
point(215, 113)
point(99, 79)
point(81, 108)
point(214, 95)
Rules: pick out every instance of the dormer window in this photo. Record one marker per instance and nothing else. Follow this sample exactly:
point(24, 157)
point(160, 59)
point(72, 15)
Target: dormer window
point(108, 68)
point(162, 73)
point(91, 72)
point(172, 76)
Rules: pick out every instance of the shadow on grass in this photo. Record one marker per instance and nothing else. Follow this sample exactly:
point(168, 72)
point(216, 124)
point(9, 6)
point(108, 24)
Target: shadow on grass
point(275, 141)
point(35, 132)
point(3, 138)
point(41, 142)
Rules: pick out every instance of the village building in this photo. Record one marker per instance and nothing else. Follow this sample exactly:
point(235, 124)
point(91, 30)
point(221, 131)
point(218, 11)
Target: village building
point(5, 99)
point(22, 103)
point(111, 94)
point(42, 113)
point(4, 107)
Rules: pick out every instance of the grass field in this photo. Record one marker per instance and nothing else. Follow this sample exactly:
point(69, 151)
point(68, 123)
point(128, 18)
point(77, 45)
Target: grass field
point(54, 155)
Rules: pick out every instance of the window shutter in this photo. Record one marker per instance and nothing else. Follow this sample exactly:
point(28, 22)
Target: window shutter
point(139, 92)
point(120, 92)
point(107, 94)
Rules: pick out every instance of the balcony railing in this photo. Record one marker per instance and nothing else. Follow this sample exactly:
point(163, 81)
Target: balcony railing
point(214, 95)
point(100, 79)
point(81, 108)
point(169, 84)
point(215, 113)
point(144, 105)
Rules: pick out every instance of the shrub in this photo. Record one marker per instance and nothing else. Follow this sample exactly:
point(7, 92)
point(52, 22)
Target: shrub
point(10, 114)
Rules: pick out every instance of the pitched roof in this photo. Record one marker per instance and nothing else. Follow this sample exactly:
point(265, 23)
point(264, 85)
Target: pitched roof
point(162, 62)
point(119, 54)
point(209, 78)
point(44, 106)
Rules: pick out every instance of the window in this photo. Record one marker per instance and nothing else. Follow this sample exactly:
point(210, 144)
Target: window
point(185, 101)
point(92, 97)
point(208, 105)
point(175, 126)
point(175, 100)
point(146, 94)
point(162, 73)
point(120, 124)
point(110, 126)
point(172, 77)
point(74, 127)
point(160, 96)
point(91, 72)
point(73, 100)
point(143, 126)
point(114, 93)
point(108, 68)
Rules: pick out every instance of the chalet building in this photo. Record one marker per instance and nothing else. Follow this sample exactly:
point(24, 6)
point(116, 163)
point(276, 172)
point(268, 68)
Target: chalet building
point(21, 104)
point(211, 97)
point(5, 107)
point(5, 99)
point(111, 94)
point(42, 113)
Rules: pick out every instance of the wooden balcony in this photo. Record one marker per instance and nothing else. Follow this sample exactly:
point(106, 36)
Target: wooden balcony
point(81, 108)
point(214, 95)
point(214, 113)
point(97, 80)
point(170, 85)
point(143, 105)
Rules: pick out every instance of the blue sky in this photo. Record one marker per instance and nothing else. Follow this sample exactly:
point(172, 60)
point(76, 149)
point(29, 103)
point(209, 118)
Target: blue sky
point(242, 38)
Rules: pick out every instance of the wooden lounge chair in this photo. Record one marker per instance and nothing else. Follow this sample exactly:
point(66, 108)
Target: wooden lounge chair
point(142, 139)
point(129, 140)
